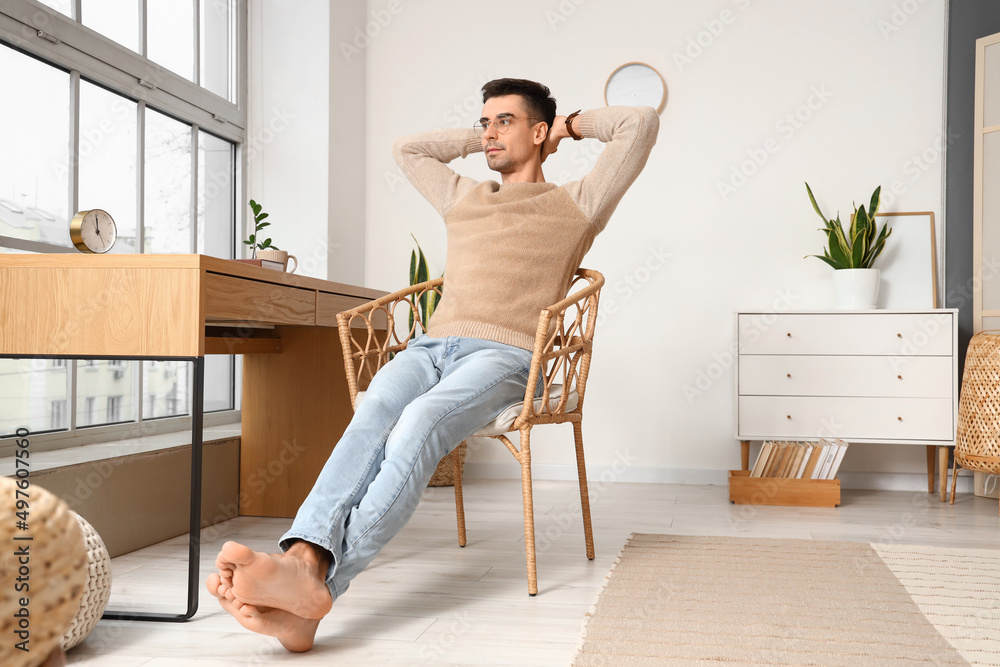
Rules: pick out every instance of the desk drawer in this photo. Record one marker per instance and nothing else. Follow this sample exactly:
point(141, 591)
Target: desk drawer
point(765, 417)
point(846, 333)
point(242, 300)
point(797, 375)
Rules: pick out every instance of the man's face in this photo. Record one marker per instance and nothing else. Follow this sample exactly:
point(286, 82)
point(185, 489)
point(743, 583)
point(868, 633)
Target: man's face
point(508, 148)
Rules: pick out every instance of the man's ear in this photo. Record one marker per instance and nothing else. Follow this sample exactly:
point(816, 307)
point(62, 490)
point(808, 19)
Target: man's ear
point(541, 131)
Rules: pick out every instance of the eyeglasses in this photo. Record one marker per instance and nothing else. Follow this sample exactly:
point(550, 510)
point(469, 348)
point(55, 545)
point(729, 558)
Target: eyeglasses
point(501, 123)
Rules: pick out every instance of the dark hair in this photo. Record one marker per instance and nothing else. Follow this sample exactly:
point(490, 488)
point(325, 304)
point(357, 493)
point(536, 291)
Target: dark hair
point(538, 101)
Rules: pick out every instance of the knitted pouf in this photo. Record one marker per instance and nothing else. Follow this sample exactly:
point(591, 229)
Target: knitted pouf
point(98, 590)
point(54, 571)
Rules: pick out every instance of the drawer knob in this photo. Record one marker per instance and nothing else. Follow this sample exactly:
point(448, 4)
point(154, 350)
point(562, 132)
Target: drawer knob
point(789, 335)
point(899, 418)
point(789, 375)
point(789, 416)
point(900, 377)
point(899, 335)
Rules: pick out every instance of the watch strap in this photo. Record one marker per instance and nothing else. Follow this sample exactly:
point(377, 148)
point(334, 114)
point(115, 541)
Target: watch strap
point(569, 125)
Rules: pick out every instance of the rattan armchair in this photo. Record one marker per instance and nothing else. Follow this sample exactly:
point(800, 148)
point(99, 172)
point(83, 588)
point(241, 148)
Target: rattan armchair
point(371, 333)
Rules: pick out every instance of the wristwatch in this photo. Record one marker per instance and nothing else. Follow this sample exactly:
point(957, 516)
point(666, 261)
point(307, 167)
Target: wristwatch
point(569, 125)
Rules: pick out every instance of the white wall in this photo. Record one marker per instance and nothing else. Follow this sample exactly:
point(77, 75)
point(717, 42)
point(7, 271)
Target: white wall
point(873, 77)
point(306, 134)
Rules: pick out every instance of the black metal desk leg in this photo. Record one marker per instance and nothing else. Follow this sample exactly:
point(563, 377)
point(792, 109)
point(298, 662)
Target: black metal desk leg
point(194, 536)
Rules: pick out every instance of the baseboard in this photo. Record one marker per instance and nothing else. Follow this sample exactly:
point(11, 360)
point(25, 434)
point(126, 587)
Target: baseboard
point(620, 472)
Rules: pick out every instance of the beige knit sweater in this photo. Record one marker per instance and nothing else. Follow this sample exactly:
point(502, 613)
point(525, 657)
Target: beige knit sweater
point(513, 248)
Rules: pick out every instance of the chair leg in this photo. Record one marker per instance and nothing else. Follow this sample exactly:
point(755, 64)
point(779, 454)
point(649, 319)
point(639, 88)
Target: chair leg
point(581, 471)
point(954, 477)
point(529, 512)
point(459, 502)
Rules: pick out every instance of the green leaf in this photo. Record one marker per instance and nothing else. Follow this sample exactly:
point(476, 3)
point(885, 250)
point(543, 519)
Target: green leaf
point(258, 218)
point(253, 238)
point(248, 243)
point(266, 244)
point(262, 225)
point(255, 207)
point(825, 259)
point(815, 205)
point(860, 237)
point(840, 249)
point(874, 204)
point(413, 267)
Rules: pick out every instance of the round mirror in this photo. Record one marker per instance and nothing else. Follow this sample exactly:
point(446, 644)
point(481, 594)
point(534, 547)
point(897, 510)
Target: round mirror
point(636, 85)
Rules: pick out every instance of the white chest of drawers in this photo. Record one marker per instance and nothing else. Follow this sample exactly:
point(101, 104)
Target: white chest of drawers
point(873, 376)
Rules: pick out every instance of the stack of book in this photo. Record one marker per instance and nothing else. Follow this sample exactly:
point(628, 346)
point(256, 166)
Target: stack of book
point(800, 460)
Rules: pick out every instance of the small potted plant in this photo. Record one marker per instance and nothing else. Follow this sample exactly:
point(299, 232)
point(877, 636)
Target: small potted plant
point(852, 253)
point(255, 241)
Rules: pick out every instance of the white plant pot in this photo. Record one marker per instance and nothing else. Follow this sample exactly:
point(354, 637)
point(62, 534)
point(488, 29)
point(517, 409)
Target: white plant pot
point(856, 288)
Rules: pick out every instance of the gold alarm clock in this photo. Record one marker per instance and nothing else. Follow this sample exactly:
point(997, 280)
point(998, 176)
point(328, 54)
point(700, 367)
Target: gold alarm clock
point(93, 231)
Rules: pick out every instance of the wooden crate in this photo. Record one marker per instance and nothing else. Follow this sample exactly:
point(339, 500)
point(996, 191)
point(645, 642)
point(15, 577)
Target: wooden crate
point(747, 490)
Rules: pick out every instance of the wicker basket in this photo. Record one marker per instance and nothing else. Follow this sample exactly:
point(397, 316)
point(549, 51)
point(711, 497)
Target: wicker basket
point(445, 473)
point(977, 446)
point(57, 572)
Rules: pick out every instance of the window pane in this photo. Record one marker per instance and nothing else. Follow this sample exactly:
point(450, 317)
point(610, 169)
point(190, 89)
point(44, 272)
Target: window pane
point(115, 19)
point(105, 392)
point(167, 217)
point(107, 159)
point(61, 6)
point(217, 47)
point(216, 221)
point(218, 382)
point(35, 153)
point(170, 35)
point(165, 389)
point(33, 395)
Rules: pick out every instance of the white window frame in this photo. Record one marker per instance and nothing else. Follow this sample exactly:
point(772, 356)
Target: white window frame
point(64, 42)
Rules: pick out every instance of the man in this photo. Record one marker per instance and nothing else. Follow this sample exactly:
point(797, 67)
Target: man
point(513, 248)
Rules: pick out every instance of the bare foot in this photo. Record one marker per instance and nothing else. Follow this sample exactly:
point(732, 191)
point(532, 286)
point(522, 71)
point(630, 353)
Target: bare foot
point(294, 581)
point(296, 634)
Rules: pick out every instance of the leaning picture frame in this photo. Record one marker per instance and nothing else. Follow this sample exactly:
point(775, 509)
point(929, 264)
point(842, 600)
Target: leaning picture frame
point(908, 264)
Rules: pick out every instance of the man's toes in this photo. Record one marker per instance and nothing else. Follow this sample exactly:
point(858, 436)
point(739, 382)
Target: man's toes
point(234, 554)
point(214, 586)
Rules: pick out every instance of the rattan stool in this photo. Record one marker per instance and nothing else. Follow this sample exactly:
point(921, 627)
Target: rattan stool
point(55, 569)
point(977, 446)
point(98, 588)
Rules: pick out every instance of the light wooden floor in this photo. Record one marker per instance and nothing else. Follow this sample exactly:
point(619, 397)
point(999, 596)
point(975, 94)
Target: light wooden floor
point(425, 601)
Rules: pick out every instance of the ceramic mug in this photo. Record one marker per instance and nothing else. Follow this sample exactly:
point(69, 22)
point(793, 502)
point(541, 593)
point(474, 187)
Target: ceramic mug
point(282, 256)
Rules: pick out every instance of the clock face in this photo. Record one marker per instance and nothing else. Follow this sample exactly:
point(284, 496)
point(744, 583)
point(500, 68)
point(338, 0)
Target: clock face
point(93, 231)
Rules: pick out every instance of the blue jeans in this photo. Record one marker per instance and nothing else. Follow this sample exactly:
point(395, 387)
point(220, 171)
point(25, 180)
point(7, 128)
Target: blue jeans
point(419, 407)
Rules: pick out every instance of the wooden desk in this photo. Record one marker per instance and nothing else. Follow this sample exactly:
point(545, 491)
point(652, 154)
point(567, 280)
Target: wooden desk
point(295, 399)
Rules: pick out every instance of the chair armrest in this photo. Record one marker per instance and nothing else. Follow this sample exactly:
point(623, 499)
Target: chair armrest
point(562, 350)
point(376, 323)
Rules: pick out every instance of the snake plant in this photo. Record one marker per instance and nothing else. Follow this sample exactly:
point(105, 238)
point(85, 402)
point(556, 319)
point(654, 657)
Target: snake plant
point(861, 245)
point(418, 274)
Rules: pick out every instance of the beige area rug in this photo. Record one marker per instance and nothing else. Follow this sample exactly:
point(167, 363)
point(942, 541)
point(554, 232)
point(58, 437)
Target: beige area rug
point(696, 600)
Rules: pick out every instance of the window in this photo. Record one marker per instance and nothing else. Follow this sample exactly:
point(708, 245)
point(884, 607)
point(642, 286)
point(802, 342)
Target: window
point(136, 108)
point(114, 409)
point(57, 416)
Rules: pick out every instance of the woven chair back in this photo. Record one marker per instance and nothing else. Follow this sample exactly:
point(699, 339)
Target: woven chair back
point(977, 446)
